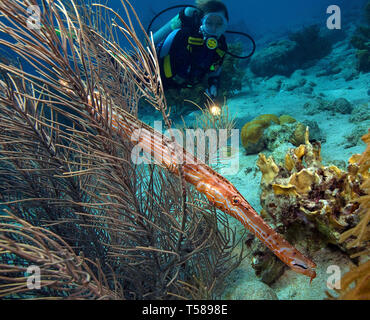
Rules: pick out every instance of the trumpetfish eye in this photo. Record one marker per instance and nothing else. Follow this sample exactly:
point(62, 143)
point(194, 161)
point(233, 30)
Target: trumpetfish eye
point(236, 199)
point(305, 269)
point(300, 265)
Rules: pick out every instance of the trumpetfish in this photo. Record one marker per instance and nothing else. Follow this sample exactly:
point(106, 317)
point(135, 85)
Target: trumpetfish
point(220, 192)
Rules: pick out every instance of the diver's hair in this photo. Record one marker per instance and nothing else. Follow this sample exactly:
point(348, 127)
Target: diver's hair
point(212, 6)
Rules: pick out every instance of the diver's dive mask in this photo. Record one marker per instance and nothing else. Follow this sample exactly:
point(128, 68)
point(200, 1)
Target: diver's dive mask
point(214, 24)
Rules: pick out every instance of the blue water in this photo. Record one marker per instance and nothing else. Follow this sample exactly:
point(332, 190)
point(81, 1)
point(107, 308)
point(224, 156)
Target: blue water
point(267, 21)
point(263, 20)
point(259, 17)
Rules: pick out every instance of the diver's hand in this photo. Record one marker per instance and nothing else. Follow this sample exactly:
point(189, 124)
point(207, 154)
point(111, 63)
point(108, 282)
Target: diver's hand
point(212, 92)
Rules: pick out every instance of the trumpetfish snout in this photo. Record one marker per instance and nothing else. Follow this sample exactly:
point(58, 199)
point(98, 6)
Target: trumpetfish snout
point(221, 193)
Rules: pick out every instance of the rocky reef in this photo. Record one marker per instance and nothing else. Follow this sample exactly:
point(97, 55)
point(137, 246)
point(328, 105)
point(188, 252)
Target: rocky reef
point(360, 40)
point(319, 104)
point(360, 113)
point(277, 58)
point(283, 57)
point(314, 205)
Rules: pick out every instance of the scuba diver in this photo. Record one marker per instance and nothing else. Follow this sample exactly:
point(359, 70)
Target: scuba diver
point(192, 46)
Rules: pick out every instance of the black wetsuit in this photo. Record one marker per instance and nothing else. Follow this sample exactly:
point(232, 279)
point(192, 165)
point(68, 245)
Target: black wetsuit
point(190, 60)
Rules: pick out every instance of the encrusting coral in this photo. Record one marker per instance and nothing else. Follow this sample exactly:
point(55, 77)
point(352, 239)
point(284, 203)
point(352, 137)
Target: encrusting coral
point(358, 236)
point(307, 200)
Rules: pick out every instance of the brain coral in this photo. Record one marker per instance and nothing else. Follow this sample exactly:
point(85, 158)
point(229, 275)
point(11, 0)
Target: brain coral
point(286, 119)
point(268, 118)
point(252, 132)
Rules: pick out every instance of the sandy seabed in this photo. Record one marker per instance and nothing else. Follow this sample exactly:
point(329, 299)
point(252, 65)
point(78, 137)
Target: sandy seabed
point(255, 100)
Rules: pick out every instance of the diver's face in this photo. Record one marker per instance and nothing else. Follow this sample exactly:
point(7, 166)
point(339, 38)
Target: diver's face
point(214, 24)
